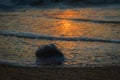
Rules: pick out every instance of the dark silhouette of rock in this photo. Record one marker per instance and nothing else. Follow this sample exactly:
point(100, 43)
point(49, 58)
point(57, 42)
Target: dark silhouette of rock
point(49, 55)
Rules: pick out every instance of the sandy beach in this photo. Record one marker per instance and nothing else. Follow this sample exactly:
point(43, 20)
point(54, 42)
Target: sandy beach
point(8, 72)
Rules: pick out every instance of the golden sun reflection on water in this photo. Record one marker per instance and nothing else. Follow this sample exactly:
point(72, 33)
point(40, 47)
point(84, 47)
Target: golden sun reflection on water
point(67, 13)
point(65, 28)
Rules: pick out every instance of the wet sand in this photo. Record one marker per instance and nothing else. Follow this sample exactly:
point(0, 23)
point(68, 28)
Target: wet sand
point(8, 72)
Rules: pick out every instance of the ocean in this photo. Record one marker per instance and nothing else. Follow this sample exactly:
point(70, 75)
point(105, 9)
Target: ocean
point(87, 36)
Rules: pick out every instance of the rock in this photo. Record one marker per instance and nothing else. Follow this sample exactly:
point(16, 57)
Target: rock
point(49, 55)
point(48, 51)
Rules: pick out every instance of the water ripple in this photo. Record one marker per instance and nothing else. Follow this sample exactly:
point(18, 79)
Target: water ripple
point(48, 37)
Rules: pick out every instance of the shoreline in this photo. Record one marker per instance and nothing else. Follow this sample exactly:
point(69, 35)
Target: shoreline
point(34, 65)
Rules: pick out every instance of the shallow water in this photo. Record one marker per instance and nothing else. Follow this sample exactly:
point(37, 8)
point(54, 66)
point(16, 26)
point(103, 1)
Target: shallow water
point(63, 23)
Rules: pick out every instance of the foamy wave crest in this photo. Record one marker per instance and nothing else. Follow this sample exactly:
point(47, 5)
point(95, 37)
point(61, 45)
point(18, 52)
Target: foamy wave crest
point(48, 37)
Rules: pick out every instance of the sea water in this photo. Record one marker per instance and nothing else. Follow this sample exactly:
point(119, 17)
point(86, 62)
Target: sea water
point(87, 36)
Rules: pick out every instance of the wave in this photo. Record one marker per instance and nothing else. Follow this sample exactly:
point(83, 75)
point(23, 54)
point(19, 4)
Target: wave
point(50, 61)
point(17, 64)
point(89, 20)
point(48, 37)
point(34, 65)
point(72, 19)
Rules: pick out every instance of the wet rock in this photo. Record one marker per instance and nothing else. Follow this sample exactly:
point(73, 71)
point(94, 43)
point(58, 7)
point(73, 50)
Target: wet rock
point(49, 55)
point(48, 51)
